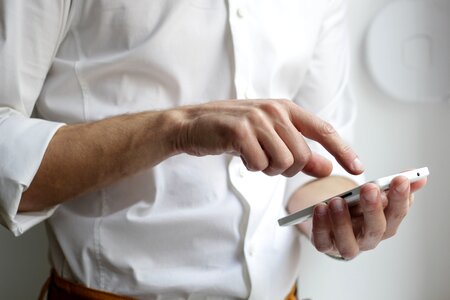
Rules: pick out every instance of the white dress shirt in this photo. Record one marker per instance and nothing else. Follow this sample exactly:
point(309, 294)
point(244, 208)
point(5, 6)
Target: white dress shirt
point(189, 228)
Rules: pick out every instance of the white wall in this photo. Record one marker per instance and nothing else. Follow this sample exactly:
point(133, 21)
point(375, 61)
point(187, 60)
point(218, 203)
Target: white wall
point(393, 136)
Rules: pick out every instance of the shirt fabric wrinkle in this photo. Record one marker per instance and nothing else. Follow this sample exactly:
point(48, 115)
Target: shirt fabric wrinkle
point(145, 236)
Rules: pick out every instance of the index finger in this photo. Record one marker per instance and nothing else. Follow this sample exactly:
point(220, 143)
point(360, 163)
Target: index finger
point(415, 186)
point(324, 133)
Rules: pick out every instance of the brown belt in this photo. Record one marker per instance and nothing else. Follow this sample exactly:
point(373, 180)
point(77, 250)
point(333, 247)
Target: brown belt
point(58, 288)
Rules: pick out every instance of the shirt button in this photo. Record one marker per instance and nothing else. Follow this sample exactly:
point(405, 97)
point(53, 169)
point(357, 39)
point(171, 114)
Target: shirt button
point(242, 171)
point(251, 250)
point(250, 94)
point(241, 12)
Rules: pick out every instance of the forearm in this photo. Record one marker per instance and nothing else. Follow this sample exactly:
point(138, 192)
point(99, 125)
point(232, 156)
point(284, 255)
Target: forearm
point(84, 157)
point(316, 191)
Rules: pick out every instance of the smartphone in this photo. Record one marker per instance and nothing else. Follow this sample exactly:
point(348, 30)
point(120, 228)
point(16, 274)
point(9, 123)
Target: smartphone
point(352, 196)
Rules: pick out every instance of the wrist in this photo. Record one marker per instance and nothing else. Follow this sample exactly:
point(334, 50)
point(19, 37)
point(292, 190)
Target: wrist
point(176, 120)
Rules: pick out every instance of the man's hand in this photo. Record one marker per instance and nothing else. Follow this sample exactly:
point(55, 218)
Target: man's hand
point(267, 134)
point(339, 231)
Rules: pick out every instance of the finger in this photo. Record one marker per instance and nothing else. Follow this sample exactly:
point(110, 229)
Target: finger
point(297, 146)
point(321, 229)
point(358, 225)
point(318, 166)
point(397, 209)
point(252, 154)
point(355, 210)
point(310, 163)
point(415, 186)
point(411, 200)
point(316, 129)
point(280, 158)
point(374, 219)
point(384, 199)
point(344, 237)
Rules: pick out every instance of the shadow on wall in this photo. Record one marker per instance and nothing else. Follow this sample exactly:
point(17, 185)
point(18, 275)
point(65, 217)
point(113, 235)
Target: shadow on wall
point(408, 50)
point(24, 262)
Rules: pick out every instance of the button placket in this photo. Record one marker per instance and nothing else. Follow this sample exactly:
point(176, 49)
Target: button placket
point(242, 171)
point(251, 250)
point(250, 93)
point(238, 14)
point(241, 12)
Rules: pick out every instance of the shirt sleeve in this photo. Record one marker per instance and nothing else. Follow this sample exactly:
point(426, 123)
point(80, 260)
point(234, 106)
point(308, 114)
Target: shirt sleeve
point(30, 32)
point(324, 90)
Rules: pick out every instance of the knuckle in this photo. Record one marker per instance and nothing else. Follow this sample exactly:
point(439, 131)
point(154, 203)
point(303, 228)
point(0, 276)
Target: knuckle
point(390, 233)
point(241, 130)
point(399, 215)
point(327, 129)
point(302, 158)
point(375, 234)
point(270, 171)
point(255, 115)
point(318, 230)
point(321, 241)
point(276, 109)
point(291, 172)
point(285, 102)
point(259, 165)
point(295, 167)
point(285, 162)
point(237, 137)
point(371, 208)
point(368, 246)
point(340, 218)
point(345, 149)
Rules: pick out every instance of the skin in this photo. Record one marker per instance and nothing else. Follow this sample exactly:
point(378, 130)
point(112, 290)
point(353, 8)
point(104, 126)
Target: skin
point(269, 136)
point(339, 231)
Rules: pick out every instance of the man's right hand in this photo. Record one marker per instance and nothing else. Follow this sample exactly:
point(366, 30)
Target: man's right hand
point(269, 135)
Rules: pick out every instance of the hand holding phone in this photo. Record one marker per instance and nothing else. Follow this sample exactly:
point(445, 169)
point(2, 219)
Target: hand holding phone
point(352, 196)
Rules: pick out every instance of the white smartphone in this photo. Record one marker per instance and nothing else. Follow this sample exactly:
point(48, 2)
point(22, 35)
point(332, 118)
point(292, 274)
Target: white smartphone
point(352, 196)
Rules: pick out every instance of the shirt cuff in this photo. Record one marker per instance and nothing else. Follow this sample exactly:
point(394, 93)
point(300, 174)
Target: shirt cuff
point(23, 142)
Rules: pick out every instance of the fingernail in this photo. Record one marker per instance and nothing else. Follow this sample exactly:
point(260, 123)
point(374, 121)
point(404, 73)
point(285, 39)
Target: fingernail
point(357, 165)
point(371, 196)
point(337, 205)
point(402, 187)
